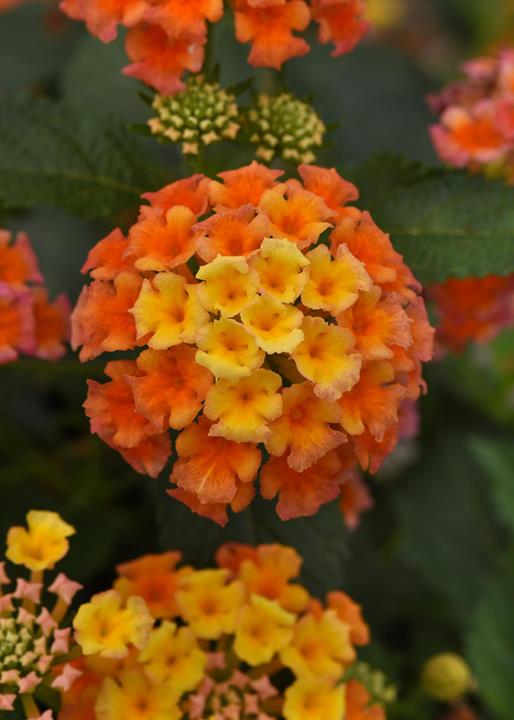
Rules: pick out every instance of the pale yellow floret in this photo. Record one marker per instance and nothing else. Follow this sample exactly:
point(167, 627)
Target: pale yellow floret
point(276, 327)
point(244, 408)
point(325, 358)
point(168, 309)
point(228, 285)
point(282, 269)
point(228, 350)
point(334, 283)
point(263, 629)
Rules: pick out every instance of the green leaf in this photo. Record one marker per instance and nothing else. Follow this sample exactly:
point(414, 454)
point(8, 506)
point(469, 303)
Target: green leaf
point(57, 155)
point(320, 540)
point(491, 640)
point(497, 460)
point(445, 532)
point(445, 223)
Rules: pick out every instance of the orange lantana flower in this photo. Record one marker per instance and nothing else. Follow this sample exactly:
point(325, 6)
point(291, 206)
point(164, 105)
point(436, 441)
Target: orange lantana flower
point(159, 60)
point(149, 457)
point(212, 467)
point(258, 340)
point(244, 186)
point(18, 263)
point(171, 387)
point(301, 493)
point(231, 232)
point(155, 578)
point(350, 613)
point(111, 408)
point(101, 320)
point(358, 703)
point(109, 257)
point(270, 30)
point(16, 323)
point(341, 22)
point(102, 17)
point(52, 324)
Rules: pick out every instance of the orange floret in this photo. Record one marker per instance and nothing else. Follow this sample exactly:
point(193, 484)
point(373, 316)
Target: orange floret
point(231, 232)
point(295, 214)
point(304, 429)
point(350, 613)
point(101, 321)
point(171, 388)
point(18, 263)
point(301, 493)
point(211, 467)
point(102, 17)
point(16, 323)
point(270, 30)
point(358, 703)
point(184, 17)
point(218, 512)
point(159, 60)
point(155, 578)
point(162, 241)
point(109, 257)
point(340, 22)
point(52, 325)
point(377, 325)
point(329, 185)
point(373, 403)
point(149, 457)
point(190, 192)
point(111, 410)
point(266, 571)
point(244, 186)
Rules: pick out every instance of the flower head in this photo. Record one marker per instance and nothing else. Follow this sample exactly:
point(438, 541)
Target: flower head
point(276, 319)
point(198, 116)
point(283, 126)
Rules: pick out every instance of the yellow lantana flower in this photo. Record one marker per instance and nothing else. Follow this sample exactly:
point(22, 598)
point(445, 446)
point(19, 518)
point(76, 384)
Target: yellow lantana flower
point(263, 629)
point(107, 628)
point(334, 284)
point(244, 408)
point(135, 697)
point(320, 647)
point(228, 285)
point(228, 350)
point(282, 269)
point(208, 604)
point(314, 699)
point(168, 309)
point(172, 654)
point(275, 327)
point(325, 358)
point(42, 544)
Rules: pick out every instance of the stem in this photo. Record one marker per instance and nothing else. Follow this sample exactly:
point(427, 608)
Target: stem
point(29, 706)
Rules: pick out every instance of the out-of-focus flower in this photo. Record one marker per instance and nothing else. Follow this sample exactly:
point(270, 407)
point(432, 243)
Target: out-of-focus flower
point(283, 126)
point(245, 642)
point(278, 343)
point(202, 114)
point(34, 641)
point(29, 323)
point(167, 37)
point(476, 131)
point(446, 677)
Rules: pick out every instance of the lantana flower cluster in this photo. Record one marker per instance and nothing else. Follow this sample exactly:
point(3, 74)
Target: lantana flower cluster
point(476, 131)
point(34, 641)
point(279, 332)
point(238, 641)
point(167, 37)
point(30, 324)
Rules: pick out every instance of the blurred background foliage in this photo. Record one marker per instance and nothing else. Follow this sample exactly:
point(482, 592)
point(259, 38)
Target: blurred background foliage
point(433, 562)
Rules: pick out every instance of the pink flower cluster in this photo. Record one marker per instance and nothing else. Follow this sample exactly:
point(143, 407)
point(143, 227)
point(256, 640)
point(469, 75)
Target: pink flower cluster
point(29, 323)
point(476, 124)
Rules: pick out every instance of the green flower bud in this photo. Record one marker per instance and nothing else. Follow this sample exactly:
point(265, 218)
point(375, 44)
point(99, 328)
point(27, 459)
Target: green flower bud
point(375, 682)
point(446, 677)
point(283, 126)
point(201, 114)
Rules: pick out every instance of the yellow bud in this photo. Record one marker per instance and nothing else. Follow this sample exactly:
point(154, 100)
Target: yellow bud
point(446, 677)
